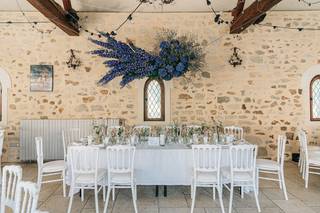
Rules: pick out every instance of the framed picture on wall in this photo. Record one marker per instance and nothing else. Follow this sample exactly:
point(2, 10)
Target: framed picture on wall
point(41, 78)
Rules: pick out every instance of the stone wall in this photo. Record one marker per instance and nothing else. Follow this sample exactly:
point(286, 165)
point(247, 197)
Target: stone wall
point(264, 95)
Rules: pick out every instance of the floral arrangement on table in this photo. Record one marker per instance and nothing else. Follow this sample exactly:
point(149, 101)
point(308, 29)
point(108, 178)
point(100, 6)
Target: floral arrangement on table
point(218, 127)
point(175, 56)
point(98, 131)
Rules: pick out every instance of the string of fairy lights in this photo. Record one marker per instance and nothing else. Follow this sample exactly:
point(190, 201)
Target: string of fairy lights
point(219, 20)
point(216, 17)
point(309, 3)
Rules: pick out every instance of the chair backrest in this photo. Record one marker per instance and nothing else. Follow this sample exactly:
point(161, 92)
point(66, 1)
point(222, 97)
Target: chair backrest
point(303, 143)
point(243, 158)
point(11, 177)
point(68, 137)
point(27, 197)
point(120, 159)
point(282, 140)
point(39, 149)
point(83, 160)
point(206, 158)
point(237, 132)
point(1, 140)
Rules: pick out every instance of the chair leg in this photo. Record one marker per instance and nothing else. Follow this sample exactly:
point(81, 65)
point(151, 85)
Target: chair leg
point(104, 192)
point(135, 190)
point(231, 198)
point(306, 178)
point(105, 210)
point(71, 198)
point(193, 197)
point(113, 194)
point(82, 194)
point(214, 193)
point(64, 182)
point(191, 190)
point(280, 179)
point(257, 181)
point(96, 198)
point(284, 185)
point(39, 181)
point(220, 199)
point(256, 198)
point(134, 199)
point(242, 192)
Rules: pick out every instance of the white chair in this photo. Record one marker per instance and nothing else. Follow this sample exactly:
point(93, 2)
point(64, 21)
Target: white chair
point(275, 167)
point(52, 168)
point(68, 137)
point(12, 176)
point(237, 132)
point(312, 150)
point(1, 146)
point(242, 171)
point(85, 173)
point(120, 160)
point(27, 197)
point(311, 161)
point(206, 171)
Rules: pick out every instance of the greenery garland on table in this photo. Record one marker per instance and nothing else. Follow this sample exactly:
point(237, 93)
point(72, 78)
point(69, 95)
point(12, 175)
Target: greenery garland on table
point(176, 56)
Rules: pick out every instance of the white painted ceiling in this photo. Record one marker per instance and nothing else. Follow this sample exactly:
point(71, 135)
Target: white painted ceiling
point(177, 6)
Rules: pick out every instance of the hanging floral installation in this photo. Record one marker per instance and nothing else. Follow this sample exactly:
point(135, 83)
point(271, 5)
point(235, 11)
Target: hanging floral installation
point(174, 56)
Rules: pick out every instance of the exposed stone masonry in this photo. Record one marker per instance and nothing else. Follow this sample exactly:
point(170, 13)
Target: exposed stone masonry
point(263, 95)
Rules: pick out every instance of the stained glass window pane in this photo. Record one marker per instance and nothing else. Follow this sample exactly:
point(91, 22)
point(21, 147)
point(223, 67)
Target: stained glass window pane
point(154, 100)
point(316, 98)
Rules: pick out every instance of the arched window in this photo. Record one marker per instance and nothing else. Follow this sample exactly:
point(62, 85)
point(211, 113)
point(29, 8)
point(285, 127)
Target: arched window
point(315, 98)
point(154, 101)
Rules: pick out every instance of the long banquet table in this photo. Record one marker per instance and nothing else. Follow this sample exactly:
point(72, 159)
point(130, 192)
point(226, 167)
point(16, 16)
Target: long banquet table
point(161, 165)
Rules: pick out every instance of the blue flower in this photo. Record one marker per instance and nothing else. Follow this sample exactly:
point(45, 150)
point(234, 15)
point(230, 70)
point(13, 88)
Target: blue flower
point(167, 77)
point(162, 72)
point(180, 67)
point(173, 58)
point(169, 68)
point(164, 44)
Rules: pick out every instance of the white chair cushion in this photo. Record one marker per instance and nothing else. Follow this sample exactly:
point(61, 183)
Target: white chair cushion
point(265, 164)
point(53, 166)
point(237, 176)
point(89, 178)
point(313, 148)
point(121, 178)
point(207, 177)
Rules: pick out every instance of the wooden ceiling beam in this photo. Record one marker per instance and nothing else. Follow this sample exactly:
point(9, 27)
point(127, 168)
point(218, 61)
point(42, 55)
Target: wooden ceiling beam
point(56, 14)
point(238, 9)
point(67, 5)
point(251, 14)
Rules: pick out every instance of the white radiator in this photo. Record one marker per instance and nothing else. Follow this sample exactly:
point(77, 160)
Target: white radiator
point(51, 131)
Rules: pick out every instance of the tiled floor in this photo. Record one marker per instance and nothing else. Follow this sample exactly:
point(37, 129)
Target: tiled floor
point(178, 200)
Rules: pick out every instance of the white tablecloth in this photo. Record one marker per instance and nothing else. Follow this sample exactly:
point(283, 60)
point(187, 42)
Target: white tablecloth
point(168, 165)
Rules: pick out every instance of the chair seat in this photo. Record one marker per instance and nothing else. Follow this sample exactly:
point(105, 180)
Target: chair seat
point(237, 176)
point(265, 164)
point(313, 148)
point(53, 166)
point(89, 178)
point(121, 178)
point(207, 177)
point(314, 160)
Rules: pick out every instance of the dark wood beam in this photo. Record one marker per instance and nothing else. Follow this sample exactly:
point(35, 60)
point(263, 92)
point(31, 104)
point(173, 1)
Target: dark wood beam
point(67, 5)
point(238, 9)
point(55, 13)
point(251, 14)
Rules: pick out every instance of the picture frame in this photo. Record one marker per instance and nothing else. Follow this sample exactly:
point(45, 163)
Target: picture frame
point(41, 78)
